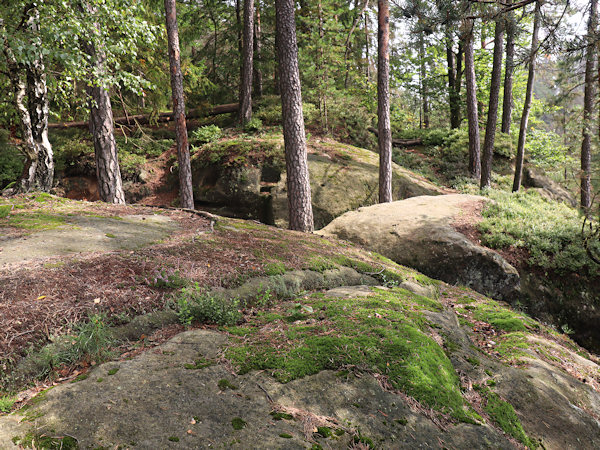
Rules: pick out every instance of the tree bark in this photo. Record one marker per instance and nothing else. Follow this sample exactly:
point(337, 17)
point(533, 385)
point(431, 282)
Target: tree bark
point(508, 72)
point(453, 94)
point(383, 103)
point(248, 61)
point(349, 38)
point(472, 110)
point(183, 151)
point(588, 108)
point(31, 102)
point(298, 181)
point(258, 78)
point(108, 173)
point(422, 76)
point(495, 84)
point(528, 97)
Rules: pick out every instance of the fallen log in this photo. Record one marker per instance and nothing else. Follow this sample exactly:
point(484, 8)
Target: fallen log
point(144, 119)
point(400, 142)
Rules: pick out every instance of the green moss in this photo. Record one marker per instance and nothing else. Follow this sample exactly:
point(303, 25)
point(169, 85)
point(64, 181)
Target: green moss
point(275, 268)
point(238, 423)
point(225, 384)
point(110, 235)
point(285, 435)
point(319, 264)
point(503, 414)
point(279, 415)
point(239, 152)
point(502, 318)
point(99, 380)
point(113, 371)
point(83, 376)
point(173, 438)
point(200, 363)
point(42, 441)
point(383, 334)
point(403, 421)
point(7, 402)
point(5, 210)
point(325, 432)
point(36, 220)
point(511, 346)
point(473, 361)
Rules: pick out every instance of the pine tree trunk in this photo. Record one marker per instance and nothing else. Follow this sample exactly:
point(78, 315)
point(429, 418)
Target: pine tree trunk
point(31, 102)
point(588, 108)
point(453, 95)
point(183, 151)
point(367, 49)
point(383, 103)
point(258, 78)
point(472, 110)
point(422, 76)
point(495, 84)
point(108, 173)
point(528, 97)
point(248, 60)
point(298, 181)
point(508, 72)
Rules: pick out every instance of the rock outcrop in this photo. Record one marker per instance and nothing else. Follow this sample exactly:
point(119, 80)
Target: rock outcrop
point(342, 177)
point(535, 179)
point(418, 232)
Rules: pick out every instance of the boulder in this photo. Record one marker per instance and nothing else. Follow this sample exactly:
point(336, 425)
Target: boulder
point(418, 232)
point(535, 178)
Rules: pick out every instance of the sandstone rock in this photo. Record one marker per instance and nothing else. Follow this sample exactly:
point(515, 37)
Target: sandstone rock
point(418, 232)
point(534, 178)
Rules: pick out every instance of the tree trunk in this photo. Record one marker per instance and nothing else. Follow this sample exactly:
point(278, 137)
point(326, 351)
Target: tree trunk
point(472, 110)
point(588, 109)
point(183, 151)
point(258, 78)
point(495, 84)
point(453, 94)
point(528, 97)
point(422, 76)
point(349, 38)
point(367, 51)
point(322, 68)
point(298, 181)
point(247, 71)
point(508, 72)
point(29, 82)
point(383, 103)
point(108, 173)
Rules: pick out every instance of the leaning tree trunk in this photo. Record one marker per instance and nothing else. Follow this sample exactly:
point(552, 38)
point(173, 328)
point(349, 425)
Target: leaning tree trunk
point(383, 103)
point(258, 78)
point(588, 109)
point(528, 97)
point(472, 111)
point(508, 72)
point(298, 181)
point(248, 61)
point(31, 102)
point(495, 84)
point(183, 149)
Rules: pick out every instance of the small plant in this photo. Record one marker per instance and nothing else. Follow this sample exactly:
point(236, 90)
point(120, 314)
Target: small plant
point(238, 423)
point(254, 125)
point(6, 403)
point(195, 305)
point(225, 384)
point(263, 298)
point(206, 134)
point(93, 340)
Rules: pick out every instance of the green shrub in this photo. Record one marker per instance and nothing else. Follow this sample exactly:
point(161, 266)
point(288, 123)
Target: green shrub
point(206, 134)
point(11, 160)
point(196, 305)
point(7, 402)
point(254, 125)
point(545, 149)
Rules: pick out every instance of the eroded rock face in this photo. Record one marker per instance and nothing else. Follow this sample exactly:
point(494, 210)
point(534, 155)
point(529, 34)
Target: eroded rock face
point(338, 185)
point(534, 178)
point(418, 233)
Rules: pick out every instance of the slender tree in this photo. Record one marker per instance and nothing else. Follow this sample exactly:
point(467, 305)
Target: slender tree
point(495, 84)
point(248, 61)
point(472, 108)
point(528, 96)
point(28, 81)
point(258, 78)
point(454, 79)
point(183, 151)
point(507, 102)
point(422, 78)
point(588, 108)
point(108, 173)
point(383, 103)
point(298, 181)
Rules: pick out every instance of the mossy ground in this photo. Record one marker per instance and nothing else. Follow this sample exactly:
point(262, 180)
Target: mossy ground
point(386, 334)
